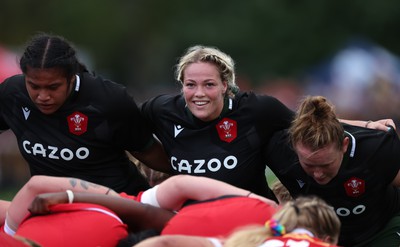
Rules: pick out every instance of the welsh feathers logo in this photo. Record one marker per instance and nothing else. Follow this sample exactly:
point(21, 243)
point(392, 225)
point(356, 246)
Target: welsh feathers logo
point(77, 123)
point(227, 129)
point(354, 187)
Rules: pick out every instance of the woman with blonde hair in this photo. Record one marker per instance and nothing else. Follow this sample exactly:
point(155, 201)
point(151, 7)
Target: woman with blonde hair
point(304, 222)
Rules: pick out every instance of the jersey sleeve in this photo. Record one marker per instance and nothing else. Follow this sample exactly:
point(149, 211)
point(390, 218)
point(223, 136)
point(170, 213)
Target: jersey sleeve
point(275, 115)
point(151, 109)
point(3, 103)
point(387, 159)
point(283, 161)
point(3, 125)
point(130, 129)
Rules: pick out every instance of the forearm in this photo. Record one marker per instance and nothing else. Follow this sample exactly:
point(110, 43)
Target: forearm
point(45, 184)
point(154, 157)
point(360, 123)
point(4, 205)
point(382, 124)
point(174, 191)
point(136, 215)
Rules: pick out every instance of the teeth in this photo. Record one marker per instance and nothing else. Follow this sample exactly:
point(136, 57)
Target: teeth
point(200, 103)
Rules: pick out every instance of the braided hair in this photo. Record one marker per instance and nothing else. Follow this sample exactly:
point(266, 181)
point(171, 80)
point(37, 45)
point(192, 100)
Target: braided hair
point(46, 51)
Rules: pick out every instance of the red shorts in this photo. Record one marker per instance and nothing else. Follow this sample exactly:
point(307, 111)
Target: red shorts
point(77, 224)
point(219, 217)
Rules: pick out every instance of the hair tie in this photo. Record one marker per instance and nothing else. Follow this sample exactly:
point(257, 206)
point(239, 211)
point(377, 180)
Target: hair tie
point(276, 228)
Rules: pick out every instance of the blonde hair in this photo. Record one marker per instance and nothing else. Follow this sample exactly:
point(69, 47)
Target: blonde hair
point(281, 192)
point(316, 124)
point(311, 213)
point(224, 63)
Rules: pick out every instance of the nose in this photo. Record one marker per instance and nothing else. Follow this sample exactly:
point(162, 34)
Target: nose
point(318, 174)
point(199, 92)
point(43, 95)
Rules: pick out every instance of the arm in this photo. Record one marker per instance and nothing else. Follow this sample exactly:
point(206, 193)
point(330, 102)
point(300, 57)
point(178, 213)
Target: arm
point(136, 215)
point(3, 209)
point(154, 157)
point(18, 208)
point(381, 124)
point(174, 191)
point(396, 180)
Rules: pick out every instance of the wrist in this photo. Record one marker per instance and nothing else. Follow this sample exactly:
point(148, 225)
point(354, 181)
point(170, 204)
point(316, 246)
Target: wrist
point(367, 123)
point(70, 195)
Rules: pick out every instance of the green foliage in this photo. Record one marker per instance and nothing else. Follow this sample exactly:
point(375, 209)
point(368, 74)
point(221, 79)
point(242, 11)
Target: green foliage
point(137, 41)
point(8, 194)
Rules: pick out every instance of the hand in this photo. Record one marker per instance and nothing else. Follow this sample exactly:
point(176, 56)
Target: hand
point(41, 203)
point(382, 124)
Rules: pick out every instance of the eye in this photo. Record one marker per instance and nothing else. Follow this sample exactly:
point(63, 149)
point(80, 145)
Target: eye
point(189, 84)
point(33, 86)
point(210, 84)
point(54, 87)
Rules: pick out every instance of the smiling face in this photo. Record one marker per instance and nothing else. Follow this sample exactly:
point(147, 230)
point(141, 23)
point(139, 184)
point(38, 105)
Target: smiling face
point(203, 90)
point(322, 164)
point(47, 88)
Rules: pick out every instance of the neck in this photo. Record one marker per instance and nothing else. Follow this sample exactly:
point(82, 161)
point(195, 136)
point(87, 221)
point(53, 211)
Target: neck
point(303, 231)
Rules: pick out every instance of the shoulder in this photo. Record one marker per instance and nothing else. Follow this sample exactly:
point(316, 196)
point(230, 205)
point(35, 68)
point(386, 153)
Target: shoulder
point(97, 83)
point(252, 96)
point(103, 90)
point(279, 146)
point(362, 134)
point(13, 86)
point(13, 83)
point(164, 101)
point(261, 102)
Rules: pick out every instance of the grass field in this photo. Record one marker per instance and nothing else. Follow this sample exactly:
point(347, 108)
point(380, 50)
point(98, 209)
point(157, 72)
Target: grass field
point(8, 193)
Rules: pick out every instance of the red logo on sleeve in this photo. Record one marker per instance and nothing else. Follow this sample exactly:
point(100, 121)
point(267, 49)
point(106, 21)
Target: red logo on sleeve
point(77, 123)
point(354, 187)
point(227, 129)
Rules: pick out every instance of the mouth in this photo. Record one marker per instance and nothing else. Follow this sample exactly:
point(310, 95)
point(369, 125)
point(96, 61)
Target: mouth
point(45, 107)
point(200, 103)
point(321, 180)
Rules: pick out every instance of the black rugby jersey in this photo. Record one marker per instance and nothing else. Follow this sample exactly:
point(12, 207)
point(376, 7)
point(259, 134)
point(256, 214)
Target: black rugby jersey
point(227, 148)
point(361, 193)
point(85, 138)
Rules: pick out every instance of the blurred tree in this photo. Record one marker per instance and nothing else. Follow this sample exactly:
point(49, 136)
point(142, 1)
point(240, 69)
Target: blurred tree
point(137, 42)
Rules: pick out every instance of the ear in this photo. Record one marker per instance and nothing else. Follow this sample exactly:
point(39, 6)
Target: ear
point(225, 84)
point(329, 239)
point(345, 144)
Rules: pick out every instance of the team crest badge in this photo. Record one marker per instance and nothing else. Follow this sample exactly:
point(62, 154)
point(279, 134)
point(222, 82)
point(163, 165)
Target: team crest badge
point(354, 187)
point(77, 123)
point(227, 129)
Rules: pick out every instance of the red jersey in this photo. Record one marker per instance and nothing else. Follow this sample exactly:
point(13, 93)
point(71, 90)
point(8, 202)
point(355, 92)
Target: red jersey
point(7, 240)
point(219, 217)
point(77, 224)
point(295, 240)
